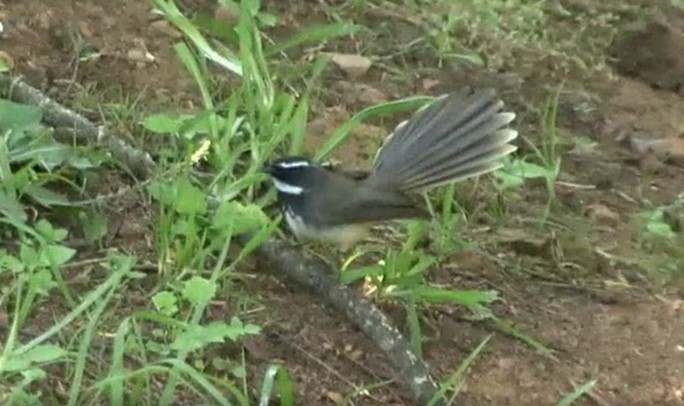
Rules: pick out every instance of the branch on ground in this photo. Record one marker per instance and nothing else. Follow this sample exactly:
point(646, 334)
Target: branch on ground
point(287, 262)
point(72, 126)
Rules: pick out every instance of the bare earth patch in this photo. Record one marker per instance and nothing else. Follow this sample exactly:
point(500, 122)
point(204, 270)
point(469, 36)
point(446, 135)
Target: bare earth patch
point(629, 339)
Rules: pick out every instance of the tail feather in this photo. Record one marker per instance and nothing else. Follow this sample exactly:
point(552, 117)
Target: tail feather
point(457, 137)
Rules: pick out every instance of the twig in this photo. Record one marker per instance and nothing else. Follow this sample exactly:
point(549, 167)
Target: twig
point(70, 125)
point(287, 262)
point(314, 274)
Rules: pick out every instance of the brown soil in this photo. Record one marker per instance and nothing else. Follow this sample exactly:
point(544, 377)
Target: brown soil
point(591, 306)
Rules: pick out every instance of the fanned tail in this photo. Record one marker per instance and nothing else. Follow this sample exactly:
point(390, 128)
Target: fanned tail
point(459, 136)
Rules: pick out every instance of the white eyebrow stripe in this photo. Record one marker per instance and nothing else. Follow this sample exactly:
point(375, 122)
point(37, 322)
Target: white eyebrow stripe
point(293, 164)
point(287, 188)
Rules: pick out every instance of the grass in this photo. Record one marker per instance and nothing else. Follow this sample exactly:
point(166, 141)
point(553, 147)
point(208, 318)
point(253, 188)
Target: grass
point(161, 350)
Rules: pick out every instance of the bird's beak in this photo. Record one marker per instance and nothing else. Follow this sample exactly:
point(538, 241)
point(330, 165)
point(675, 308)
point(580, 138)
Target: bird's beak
point(268, 169)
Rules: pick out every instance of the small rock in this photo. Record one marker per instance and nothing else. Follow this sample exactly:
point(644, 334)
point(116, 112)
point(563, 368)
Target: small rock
point(164, 27)
point(428, 84)
point(359, 94)
point(136, 55)
point(129, 228)
point(652, 52)
point(354, 66)
point(229, 13)
point(603, 215)
point(334, 397)
point(670, 149)
point(43, 20)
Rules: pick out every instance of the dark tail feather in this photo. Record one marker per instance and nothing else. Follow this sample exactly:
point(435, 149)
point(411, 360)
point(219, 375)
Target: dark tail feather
point(457, 137)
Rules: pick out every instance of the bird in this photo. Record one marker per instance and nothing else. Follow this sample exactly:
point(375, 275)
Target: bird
point(459, 135)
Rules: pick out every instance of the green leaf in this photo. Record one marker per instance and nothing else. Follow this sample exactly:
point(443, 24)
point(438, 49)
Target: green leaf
point(46, 151)
point(315, 34)
point(58, 254)
point(11, 208)
point(42, 281)
point(580, 391)
point(46, 197)
point(189, 199)
point(4, 65)
point(238, 328)
point(656, 224)
point(166, 303)
point(10, 262)
point(94, 224)
point(196, 337)
point(267, 19)
point(18, 117)
point(163, 123)
point(239, 218)
point(239, 372)
point(199, 290)
point(464, 297)
point(37, 355)
point(165, 193)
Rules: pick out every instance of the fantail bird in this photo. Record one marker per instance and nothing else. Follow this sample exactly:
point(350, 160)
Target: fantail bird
point(458, 136)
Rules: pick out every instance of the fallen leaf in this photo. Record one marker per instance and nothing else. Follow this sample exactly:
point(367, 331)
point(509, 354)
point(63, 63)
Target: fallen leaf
point(164, 27)
point(333, 396)
point(359, 94)
point(670, 149)
point(428, 84)
point(353, 65)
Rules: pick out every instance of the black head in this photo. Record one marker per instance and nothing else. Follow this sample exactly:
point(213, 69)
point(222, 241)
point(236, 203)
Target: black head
point(294, 175)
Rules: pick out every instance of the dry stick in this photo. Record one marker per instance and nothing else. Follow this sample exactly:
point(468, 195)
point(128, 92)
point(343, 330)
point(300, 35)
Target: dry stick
point(311, 273)
point(70, 125)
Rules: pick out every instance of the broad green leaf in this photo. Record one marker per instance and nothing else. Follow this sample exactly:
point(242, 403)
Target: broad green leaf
point(42, 281)
point(4, 65)
point(47, 152)
point(163, 123)
point(164, 192)
point(189, 199)
point(37, 355)
point(58, 254)
point(18, 117)
point(239, 218)
point(656, 224)
point(46, 197)
point(11, 208)
point(199, 290)
point(166, 302)
point(196, 337)
point(10, 262)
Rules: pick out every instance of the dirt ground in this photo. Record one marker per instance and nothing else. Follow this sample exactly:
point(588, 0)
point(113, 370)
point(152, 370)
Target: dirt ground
point(592, 305)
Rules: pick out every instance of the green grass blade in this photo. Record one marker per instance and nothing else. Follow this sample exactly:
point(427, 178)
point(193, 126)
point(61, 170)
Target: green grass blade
point(169, 10)
point(460, 373)
point(316, 34)
point(285, 386)
point(577, 393)
point(87, 338)
point(341, 134)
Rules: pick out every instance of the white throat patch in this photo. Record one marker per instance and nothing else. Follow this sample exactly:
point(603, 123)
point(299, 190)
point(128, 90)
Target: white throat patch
point(293, 164)
point(287, 188)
